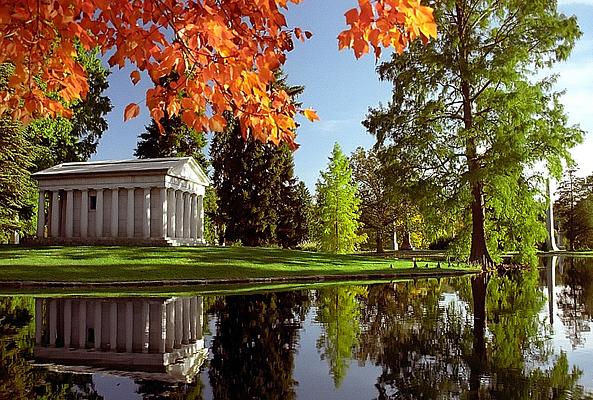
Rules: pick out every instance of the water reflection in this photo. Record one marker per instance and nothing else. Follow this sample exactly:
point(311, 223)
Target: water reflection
point(154, 338)
point(482, 337)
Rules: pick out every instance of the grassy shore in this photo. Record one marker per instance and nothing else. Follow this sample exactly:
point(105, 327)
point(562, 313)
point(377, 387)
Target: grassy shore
point(129, 264)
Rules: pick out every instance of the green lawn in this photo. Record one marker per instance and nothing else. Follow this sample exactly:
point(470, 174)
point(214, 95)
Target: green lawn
point(122, 264)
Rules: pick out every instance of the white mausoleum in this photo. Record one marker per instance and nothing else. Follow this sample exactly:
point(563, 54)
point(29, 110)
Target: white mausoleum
point(152, 201)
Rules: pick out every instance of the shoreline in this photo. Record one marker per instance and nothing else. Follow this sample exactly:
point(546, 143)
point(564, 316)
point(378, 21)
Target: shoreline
point(406, 274)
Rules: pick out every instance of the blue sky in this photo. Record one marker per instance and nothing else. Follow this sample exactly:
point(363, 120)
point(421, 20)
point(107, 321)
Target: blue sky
point(342, 89)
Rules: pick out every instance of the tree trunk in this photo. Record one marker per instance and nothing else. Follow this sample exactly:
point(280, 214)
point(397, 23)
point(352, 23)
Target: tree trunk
point(479, 252)
point(479, 359)
point(379, 240)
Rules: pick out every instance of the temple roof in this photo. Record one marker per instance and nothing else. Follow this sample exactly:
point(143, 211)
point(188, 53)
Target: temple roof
point(175, 166)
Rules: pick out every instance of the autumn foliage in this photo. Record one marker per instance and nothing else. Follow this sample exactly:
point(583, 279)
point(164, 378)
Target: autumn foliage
point(224, 52)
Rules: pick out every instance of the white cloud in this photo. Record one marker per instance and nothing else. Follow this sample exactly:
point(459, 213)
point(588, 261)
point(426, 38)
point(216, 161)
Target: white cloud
point(336, 125)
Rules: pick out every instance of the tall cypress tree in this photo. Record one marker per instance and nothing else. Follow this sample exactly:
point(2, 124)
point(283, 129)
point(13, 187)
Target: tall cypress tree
point(469, 118)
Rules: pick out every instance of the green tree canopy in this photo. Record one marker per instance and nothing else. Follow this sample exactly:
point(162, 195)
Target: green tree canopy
point(176, 140)
point(258, 196)
point(468, 121)
point(337, 207)
point(379, 209)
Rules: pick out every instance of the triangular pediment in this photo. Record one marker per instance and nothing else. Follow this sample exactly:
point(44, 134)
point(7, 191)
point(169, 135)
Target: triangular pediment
point(187, 168)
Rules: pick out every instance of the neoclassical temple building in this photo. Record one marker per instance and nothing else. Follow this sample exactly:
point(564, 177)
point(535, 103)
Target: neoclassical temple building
point(153, 338)
point(150, 202)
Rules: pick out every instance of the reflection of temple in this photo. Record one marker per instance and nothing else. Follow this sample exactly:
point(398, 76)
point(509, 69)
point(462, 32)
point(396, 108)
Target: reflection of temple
point(156, 335)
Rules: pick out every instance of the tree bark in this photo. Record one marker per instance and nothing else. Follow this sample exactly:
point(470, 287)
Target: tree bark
point(479, 358)
point(479, 252)
point(379, 240)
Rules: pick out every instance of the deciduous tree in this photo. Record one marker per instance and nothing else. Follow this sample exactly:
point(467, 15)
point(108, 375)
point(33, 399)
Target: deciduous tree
point(574, 210)
point(225, 53)
point(468, 120)
point(337, 207)
point(378, 210)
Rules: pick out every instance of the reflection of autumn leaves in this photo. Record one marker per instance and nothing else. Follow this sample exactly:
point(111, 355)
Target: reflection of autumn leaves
point(225, 54)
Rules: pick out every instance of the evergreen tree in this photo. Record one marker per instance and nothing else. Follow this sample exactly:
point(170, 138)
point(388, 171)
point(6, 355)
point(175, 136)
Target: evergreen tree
point(259, 201)
point(337, 207)
point(294, 215)
point(177, 140)
point(16, 189)
point(252, 180)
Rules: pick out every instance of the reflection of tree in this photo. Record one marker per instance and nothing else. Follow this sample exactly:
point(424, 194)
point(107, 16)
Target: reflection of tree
point(18, 378)
point(575, 300)
point(492, 345)
point(253, 350)
point(338, 311)
point(160, 390)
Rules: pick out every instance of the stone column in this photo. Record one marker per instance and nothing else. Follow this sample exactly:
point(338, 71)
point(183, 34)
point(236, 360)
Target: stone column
point(200, 224)
point(67, 323)
point(69, 213)
point(186, 215)
point(55, 214)
point(82, 324)
point(171, 214)
point(84, 213)
point(53, 322)
point(99, 214)
point(170, 328)
point(130, 220)
point(145, 326)
point(178, 323)
point(38, 321)
point(156, 340)
point(179, 214)
point(114, 212)
point(113, 326)
point(194, 216)
point(193, 316)
point(164, 217)
point(129, 326)
point(146, 214)
point(41, 215)
point(199, 317)
point(186, 320)
point(97, 345)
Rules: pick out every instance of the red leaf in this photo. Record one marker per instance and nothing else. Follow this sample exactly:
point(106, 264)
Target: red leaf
point(132, 110)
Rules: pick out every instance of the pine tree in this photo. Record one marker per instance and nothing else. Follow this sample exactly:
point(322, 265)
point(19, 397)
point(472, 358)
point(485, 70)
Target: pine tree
point(253, 182)
point(337, 206)
point(259, 200)
point(177, 140)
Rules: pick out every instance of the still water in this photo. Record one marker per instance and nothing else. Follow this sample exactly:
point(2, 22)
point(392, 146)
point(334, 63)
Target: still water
point(518, 336)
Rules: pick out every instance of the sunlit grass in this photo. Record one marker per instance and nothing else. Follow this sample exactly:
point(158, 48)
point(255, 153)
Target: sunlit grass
point(117, 264)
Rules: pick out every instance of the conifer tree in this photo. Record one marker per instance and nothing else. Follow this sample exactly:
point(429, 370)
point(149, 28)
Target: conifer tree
point(472, 113)
point(259, 201)
point(253, 182)
point(337, 206)
point(176, 140)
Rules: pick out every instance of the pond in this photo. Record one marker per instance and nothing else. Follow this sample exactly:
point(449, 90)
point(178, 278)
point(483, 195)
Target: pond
point(523, 335)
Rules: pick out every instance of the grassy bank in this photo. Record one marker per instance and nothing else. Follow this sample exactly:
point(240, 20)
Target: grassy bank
point(123, 264)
